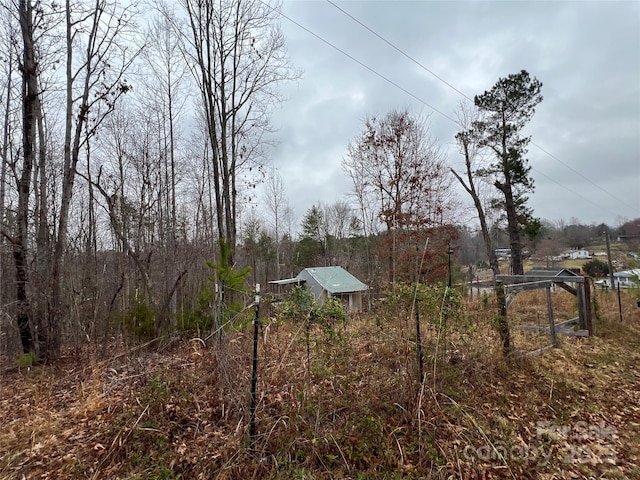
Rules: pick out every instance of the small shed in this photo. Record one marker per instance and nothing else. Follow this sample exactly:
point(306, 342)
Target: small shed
point(330, 281)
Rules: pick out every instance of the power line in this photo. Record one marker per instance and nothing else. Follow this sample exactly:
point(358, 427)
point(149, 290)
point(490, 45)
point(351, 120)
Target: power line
point(375, 72)
point(399, 50)
point(572, 191)
point(402, 52)
point(581, 175)
point(362, 64)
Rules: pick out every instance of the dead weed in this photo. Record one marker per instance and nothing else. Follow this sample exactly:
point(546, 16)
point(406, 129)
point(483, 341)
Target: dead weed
point(355, 408)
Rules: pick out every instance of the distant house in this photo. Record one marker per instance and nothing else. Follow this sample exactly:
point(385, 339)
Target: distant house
point(330, 281)
point(628, 278)
point(625, 279)
point(579, 255)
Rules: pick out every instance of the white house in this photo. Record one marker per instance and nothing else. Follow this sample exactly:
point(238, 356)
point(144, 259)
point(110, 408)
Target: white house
point(625, 279)
point(579, 255)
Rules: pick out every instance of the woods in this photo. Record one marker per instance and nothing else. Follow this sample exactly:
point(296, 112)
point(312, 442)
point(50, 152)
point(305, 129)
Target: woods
point(170, 308)
point(103, 216)
point(132, 168)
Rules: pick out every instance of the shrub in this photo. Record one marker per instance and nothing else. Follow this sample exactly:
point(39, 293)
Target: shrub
point(139, 320)
point(596, 268)
point(233, 284)
point(201, 318)
point(300, 305)
point(27, 360)
point(433, 301)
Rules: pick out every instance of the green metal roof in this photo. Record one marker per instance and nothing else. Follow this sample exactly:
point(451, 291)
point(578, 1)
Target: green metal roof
point(334, 279)
point(331, 279)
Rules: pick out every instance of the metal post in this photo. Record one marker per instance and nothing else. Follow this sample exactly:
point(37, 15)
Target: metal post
point(619, 302)
point(552, 322)
point(449, 252)
point(254, 373)
point(611, 277)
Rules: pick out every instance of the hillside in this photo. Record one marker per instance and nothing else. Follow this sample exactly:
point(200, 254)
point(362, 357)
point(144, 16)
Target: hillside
point(355, 411)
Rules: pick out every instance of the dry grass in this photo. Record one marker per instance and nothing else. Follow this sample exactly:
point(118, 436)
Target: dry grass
point(356, 410)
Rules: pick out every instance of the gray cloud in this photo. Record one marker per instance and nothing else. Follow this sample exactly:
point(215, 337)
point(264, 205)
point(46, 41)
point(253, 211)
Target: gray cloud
point(587, 54)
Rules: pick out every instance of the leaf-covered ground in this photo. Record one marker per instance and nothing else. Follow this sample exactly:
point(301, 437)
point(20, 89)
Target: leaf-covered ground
point(348, 407)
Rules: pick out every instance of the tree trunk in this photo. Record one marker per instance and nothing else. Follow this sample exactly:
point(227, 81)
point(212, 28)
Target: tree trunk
point(30, 104)
point(71, 152)
point(4, 294)
point(512, 226)
point(466, 141)
point(470, 187)
point(94, 64)
point(43, 244)
point(502, 322)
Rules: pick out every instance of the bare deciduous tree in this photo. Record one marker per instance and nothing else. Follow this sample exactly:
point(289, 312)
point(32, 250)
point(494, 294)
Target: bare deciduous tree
point(10, 40)
point(31, 106)
point(238, 60)
point(275, 197)
point(396, 166)
point(469, 147)
point(338, 216)
point(94, 82)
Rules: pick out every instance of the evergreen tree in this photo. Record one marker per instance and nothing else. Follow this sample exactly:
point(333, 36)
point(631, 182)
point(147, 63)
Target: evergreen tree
point(505, 110)
point(312, 246)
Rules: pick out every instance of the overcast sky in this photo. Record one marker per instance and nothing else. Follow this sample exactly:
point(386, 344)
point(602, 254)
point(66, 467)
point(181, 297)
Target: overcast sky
point(586, 54)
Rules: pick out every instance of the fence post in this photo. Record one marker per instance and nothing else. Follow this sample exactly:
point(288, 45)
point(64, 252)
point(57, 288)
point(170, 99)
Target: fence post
point(552, 322)
point(582, 311)
point(503, 321)
point(419, 339)
point(254, 374)
point(587, 305)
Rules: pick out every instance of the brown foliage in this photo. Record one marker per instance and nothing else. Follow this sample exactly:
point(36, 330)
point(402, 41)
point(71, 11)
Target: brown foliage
point(412, 257)
point(357, 411)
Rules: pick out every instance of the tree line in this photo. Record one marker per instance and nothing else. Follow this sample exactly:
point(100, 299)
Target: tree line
point(131, 145)
point(129, 136)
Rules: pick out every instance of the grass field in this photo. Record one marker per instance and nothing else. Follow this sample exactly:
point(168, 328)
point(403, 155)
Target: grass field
point(354, 408)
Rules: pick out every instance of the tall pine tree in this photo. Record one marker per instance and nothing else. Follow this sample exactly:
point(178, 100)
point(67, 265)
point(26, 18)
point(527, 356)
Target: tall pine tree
point(505, 110)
